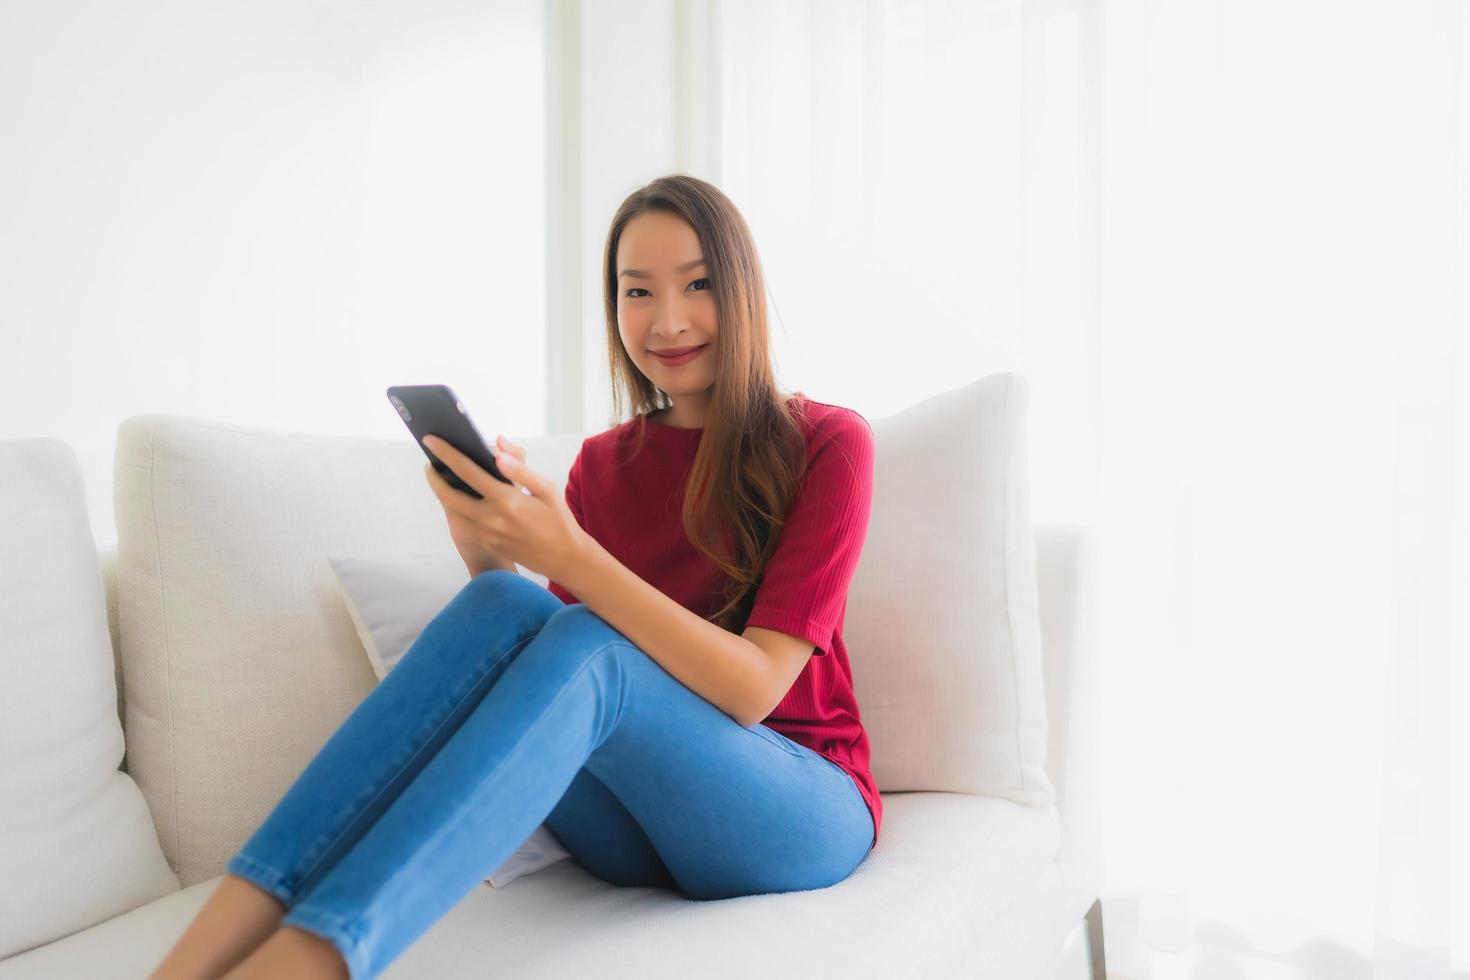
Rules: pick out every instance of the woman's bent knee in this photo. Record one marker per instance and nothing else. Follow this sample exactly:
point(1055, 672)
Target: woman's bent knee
point(576, 619)
point(501, 595)
point(495, 612)
point(574, 635)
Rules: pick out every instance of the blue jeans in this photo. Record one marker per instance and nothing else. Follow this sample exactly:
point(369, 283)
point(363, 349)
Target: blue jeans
point(511, 710)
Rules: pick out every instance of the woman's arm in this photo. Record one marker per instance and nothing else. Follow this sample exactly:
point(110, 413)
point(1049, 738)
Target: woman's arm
point(727, 670)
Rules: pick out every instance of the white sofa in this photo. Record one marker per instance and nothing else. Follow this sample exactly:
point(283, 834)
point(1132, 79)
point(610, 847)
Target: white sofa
point(234, 660)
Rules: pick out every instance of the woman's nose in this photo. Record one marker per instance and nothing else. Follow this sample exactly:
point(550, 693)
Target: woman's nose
point(671, 318)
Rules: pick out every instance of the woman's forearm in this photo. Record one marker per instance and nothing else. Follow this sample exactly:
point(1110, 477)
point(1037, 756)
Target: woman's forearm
point(724, 668)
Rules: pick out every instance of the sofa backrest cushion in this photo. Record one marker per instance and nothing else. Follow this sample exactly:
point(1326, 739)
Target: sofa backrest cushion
point(77, 845)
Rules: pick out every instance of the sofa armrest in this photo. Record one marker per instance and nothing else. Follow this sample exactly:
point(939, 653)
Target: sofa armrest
point(1067, 595)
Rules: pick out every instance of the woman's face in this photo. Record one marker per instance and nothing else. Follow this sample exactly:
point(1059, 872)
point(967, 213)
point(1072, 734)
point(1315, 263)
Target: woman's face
point(666, 301)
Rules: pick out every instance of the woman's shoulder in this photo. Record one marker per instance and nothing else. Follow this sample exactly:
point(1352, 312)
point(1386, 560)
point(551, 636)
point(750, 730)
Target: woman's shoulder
point(840, 452)
point(826, 421)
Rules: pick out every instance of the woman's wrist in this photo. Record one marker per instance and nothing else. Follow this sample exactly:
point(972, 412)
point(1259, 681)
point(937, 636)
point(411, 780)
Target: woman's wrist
point(493, 564)
point(582, 561)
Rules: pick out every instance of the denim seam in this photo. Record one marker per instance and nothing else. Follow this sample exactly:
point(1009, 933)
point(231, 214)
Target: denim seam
point(445, 825)
point(321, 852)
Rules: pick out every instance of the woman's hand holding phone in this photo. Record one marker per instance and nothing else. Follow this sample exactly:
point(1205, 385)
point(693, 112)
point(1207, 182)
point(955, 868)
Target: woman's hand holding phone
point(526, 521)
point(462, 530)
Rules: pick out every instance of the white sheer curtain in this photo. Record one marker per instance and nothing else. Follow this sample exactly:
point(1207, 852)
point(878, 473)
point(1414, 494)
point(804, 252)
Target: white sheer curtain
point(1229, 245)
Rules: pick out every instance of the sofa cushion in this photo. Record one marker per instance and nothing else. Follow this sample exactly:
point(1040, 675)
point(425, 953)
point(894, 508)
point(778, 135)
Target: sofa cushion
point(950, 891)
point(942, 620)
point(390, 603)
point(77, 844)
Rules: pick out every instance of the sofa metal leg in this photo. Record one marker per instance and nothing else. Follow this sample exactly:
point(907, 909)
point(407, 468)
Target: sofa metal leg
point(1095, 941)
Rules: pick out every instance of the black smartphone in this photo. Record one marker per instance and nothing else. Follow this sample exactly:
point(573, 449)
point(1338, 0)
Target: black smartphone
point(435, 410)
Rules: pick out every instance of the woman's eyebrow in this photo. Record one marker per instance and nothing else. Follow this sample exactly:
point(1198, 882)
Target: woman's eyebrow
point(640, 274)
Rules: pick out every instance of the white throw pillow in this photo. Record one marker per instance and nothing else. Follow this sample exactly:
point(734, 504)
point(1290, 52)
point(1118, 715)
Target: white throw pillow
point(390, 603)
point(943, 626)
point(77, 843)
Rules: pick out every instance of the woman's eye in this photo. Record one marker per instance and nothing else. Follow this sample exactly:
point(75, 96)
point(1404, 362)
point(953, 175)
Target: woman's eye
point(640, 289)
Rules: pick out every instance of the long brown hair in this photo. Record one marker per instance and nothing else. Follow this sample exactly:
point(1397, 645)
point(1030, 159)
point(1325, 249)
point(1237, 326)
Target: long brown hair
point(752, 454)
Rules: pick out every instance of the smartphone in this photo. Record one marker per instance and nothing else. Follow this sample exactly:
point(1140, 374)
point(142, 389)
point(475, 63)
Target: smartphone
point(435, 410)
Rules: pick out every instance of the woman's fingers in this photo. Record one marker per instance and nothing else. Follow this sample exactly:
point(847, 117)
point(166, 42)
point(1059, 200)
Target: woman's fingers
point(463, 467)
point(518, 452)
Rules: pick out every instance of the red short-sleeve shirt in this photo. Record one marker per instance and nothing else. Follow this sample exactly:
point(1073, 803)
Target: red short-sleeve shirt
point(630, 503)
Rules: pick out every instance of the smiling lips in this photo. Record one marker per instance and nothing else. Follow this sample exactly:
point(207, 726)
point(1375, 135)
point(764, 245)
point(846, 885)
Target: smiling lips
point(678, 355)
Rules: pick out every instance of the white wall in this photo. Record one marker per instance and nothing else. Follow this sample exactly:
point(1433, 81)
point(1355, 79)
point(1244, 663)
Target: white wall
point(266, 213)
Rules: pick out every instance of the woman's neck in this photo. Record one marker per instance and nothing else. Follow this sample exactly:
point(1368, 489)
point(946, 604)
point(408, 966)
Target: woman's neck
point(672, 418)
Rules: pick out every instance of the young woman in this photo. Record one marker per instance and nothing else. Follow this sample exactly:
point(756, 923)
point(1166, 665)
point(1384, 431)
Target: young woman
point(676, 706)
